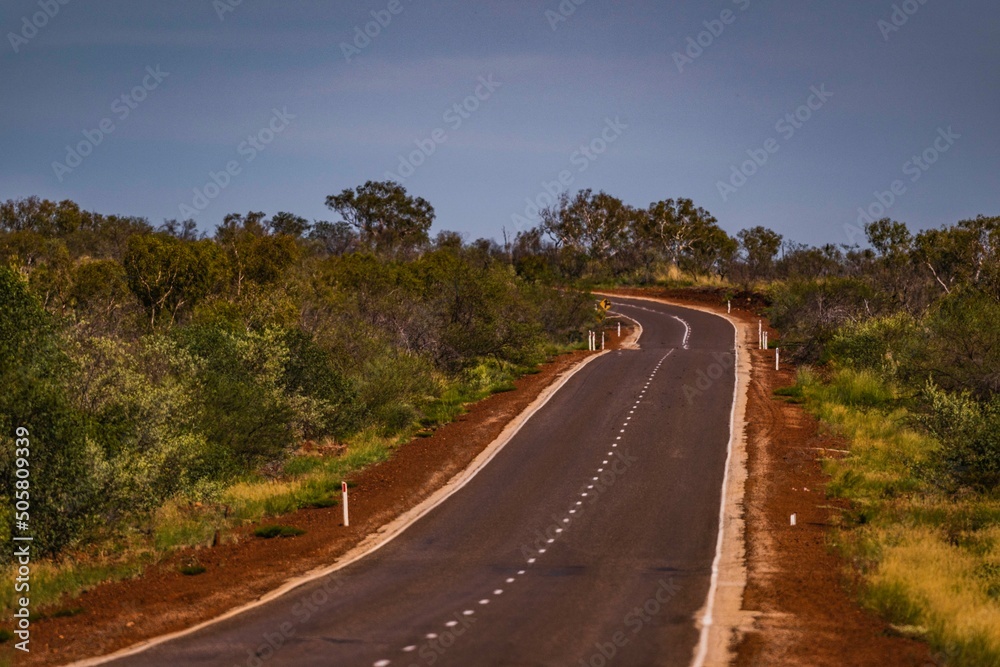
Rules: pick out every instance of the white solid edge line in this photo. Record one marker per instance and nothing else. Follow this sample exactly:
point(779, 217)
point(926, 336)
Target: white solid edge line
point(707, 620)
point(638, 334)
point(460, 480)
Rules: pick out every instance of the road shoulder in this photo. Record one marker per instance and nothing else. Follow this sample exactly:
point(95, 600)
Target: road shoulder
point(799, 588)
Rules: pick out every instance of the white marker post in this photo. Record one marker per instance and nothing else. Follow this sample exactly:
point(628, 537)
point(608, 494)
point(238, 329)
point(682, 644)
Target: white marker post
point(729, 306)
point(765, 340)
point(619, 329)
point(602, 340)
point(777, 359)
point(760, 335)
point(343, 491)
point(793, 519)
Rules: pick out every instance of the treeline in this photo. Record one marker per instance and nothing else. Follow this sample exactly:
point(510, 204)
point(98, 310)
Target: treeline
point(920, 310)
point(594, 238)
point(151, 363)
point(924, 318)
point(159, 362)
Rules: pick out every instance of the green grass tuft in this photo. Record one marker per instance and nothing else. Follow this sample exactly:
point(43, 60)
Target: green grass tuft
point(67, 612)
point(268, 532)
point(323, 503)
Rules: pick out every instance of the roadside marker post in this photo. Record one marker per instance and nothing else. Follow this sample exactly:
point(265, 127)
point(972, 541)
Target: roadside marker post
point(793, 519)
point(760, 334)
point(602, 340)
point(777, 359)
point(619, 329)
point(343, 490)
point(729, 307)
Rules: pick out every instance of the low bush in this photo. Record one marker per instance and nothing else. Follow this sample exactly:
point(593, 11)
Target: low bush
point(268, 532)
point(969, 433)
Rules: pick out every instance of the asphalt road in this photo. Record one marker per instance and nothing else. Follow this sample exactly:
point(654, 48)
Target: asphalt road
point(588, 540)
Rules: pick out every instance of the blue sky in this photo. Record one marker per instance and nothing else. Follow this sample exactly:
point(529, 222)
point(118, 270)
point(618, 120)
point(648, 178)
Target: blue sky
point(345, 116)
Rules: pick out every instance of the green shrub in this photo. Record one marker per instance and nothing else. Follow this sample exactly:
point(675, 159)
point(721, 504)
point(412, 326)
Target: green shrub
point(142, 443)
point(33, 395)
point(322, 503)
point(964, 345)
point(324, 400)
point(67, 612)
point(268, 532)
point(242, 411)
point(969, 433)
point(810, 312)
point(890, 346)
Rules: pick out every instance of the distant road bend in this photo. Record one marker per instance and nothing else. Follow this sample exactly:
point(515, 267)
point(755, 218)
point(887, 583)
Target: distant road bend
point(588, 539)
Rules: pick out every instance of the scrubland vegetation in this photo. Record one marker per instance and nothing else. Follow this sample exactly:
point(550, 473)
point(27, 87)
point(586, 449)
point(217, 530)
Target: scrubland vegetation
point(174, 382)
point(175, 385)
point(908, 367)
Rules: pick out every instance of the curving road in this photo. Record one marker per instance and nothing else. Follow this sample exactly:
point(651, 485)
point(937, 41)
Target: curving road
point(588, 540)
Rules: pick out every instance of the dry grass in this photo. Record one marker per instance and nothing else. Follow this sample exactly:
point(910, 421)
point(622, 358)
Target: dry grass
point(180, 524)
point(923, 579)
point(930, 561)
